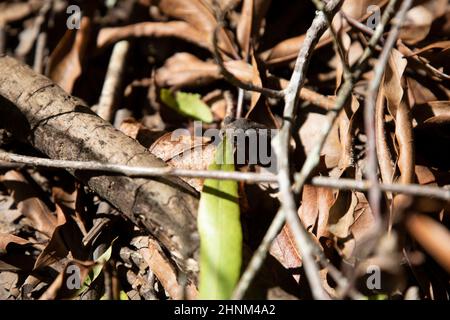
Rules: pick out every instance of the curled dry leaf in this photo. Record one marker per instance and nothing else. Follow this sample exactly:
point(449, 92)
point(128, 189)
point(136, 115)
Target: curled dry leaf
point(315, 208)
point(66, 239)
point(245, 26)
point(424, 111)
point(8, 239)
point(141, 133)
point(178, 29)
point(404, 135)
point(285, 251)
point(432, 236)
point(342, 214)
point(178, 149)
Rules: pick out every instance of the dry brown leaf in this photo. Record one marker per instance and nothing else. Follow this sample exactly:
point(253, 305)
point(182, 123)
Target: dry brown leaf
point(392, 85)
point(185, 69)
point(287, 50)
point(310, 132)
point(10, 12)
point(432, 236)
point(361, 230)
point(347, 132)
point(419, 20)
point(66, 61)
point(165, 272)
point(29, 204)
point(244, 28)
point(313, 212)
point(285, 250)
point(404, 135)
point(442, 45)
point(258, 105)
point(200, 16)
point(315, 208)
point(185, 152)
point(7, 239)
point(342, 214)
point(141, 133)
point(424, 111)
point(66, 239)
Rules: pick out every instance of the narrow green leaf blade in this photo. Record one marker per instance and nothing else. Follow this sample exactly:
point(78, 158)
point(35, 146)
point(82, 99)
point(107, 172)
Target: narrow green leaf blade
point(96, 269)
point(220, 231)
point(187, 104)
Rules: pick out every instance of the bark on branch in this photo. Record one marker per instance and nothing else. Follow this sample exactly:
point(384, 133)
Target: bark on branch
point(35, 109)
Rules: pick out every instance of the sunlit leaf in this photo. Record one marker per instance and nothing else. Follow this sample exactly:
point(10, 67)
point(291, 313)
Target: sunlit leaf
point(187, 104)
point(220, 231)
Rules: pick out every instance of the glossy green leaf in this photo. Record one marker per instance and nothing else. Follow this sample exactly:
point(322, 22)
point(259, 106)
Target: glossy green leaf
point(220, 230)
point(187, 104)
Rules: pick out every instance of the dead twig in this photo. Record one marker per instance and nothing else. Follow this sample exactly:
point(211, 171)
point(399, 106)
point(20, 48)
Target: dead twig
point(337, 42)
point(63, 127)
point(15, 161)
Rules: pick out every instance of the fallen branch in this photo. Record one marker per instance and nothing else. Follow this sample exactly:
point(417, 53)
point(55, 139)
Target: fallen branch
point(63, 127)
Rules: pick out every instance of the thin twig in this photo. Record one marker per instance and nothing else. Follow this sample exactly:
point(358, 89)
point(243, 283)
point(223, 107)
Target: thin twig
point(131, 171)
point(39, 56)
point(15, 161)
point(364, 185)
point(359, 25)
point(337, 42)
point(377, 35)
point(259, 256)
point(282, 143)
point(369, 110)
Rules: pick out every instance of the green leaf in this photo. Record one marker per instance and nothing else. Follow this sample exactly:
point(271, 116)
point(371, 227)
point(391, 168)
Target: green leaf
point(220, 230)
point(96, 269)
point(123, 295)
point(187, 104)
